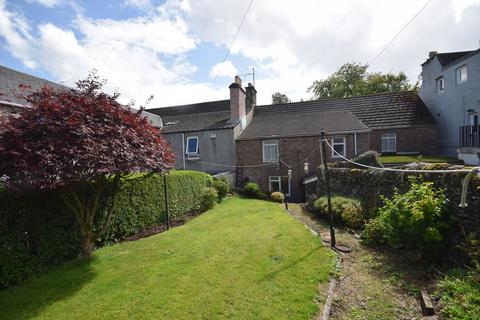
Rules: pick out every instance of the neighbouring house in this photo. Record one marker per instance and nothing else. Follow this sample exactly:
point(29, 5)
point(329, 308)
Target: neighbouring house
point(451, 90)
point(12, 81)
point(202, 135)
point(391, 123)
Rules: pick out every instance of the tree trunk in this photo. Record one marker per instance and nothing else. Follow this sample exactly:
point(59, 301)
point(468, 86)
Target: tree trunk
point(87, 246)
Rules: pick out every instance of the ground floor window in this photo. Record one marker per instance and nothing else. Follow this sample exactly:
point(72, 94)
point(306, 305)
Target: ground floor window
point(274, 184)
point(389, 142)
point(339, 145)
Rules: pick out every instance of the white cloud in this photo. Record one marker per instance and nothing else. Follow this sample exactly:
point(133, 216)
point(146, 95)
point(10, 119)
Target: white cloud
point(224, 69)
point(291, 44)
point(47, 3)
point(140, 4)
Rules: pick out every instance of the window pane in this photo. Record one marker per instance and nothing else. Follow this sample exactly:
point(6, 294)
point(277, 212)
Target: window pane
point(270, 150)
point(192, 145)
point(340, 148)
point(274, 184)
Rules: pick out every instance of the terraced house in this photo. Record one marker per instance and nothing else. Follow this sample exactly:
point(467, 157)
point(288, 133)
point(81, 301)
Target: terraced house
point(391, 123)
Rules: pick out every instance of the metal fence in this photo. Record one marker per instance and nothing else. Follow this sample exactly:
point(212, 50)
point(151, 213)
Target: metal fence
point(470, 137)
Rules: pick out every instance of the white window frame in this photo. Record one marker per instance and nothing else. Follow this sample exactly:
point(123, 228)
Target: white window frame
point(186, 146)
point(389, 136)
point(440, 88)
point(458, 74)
point(344, 143)
point(278, 179)
point(271, 142)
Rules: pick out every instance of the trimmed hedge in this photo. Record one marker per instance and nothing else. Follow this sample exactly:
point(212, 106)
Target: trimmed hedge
point(35, 233)
point(344, 209)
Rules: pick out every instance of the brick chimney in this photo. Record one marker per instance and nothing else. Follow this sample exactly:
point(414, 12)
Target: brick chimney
point(237, 101)
point(251, 99)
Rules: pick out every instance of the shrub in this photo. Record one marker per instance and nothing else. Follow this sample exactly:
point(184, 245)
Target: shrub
point(277, 197)
point(252, 190)
point(209, 198)
point(35, 233)
point(344, 209)
point(417, 219)
point(369, 158)
point(221, 185)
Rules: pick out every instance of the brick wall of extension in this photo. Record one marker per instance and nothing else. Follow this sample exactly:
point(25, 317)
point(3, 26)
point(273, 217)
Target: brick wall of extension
point(295, 151)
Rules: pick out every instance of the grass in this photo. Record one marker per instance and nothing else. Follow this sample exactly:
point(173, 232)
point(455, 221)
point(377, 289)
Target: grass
point(245, 259)
point(460, 295)
point(416, 158)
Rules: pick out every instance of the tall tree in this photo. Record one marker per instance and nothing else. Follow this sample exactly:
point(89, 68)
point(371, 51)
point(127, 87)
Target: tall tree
point(279, 98)
point(81, 143)
point(353, 79)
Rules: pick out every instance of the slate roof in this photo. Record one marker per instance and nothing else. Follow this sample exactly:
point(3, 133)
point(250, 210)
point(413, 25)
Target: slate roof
point(447, 58)
point(211, 115)
point(10, 80)
point(301, 124)
point(379, 111)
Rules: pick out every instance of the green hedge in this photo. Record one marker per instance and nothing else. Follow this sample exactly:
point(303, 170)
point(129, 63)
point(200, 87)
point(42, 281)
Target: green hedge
point(35, 233)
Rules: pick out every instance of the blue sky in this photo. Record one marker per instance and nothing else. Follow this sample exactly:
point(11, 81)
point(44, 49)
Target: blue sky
point(172, 49)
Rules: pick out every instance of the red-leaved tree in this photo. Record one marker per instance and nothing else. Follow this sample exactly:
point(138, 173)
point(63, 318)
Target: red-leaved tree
point(81, 143)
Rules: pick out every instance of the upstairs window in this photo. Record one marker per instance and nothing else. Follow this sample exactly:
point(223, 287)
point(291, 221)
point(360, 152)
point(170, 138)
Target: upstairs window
point(192, 145)
point(440, 85)
point(462, 75)
point(389, 142)
point(270, 151)
point(339, 145)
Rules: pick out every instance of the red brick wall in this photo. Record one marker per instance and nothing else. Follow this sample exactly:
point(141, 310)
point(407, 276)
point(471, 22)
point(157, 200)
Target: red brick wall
point(293, 151)
point(423, 140)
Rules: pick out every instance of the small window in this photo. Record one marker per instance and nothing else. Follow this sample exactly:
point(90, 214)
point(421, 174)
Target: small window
point(274, 184)
point(462, 75)
point(192, 145)
point(339, 145)
point(389, 142)
point(440, 85)
point(270, 151)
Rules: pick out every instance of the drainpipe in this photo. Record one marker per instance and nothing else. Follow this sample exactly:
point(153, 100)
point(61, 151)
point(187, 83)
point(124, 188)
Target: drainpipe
point(355, 143)
point(183, 149)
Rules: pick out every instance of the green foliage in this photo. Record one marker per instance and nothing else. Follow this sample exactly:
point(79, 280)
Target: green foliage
point(277, 197)
point(352, 79)
point(460, 295)
point(36, 234)
point(369, 158)
point(280, 98)
point(344, 209)
point(222, 187)
point(252, 190)
point(208, 199)
point(417, 219)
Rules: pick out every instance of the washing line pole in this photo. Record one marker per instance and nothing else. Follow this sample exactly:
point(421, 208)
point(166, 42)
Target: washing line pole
point(165, 195)
point(327, 187)
point(281, 180)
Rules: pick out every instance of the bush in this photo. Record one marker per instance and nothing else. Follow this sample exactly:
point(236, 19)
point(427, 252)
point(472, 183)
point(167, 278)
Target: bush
point(209, 198)
point(252, 190)
point(417, 219)
point(369, 158)
point(35, 233)
point(344, 209)
point(221, 185)
point(277, 197)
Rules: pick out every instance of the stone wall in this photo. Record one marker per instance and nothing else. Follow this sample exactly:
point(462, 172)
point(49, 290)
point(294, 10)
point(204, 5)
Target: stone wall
point(369, 185)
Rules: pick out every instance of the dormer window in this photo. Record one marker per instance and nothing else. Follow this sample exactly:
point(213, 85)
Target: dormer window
point(440, 85)
point(461, 74)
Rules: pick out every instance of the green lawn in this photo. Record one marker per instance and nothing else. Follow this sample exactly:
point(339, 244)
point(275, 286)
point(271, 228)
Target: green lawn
point(415, 158)
point(245, 259)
